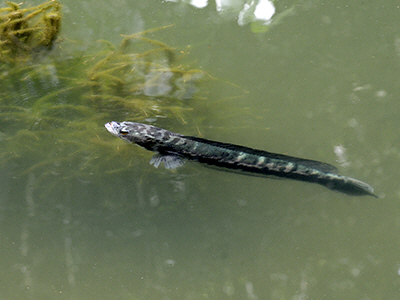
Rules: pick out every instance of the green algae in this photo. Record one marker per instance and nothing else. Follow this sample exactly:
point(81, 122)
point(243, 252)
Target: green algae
point(27, 31)
point(53, 107)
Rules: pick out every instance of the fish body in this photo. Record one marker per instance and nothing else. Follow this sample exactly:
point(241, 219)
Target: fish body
point(173, 148)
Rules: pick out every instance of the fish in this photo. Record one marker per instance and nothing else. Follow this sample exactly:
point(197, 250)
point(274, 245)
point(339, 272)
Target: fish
point(172, 149)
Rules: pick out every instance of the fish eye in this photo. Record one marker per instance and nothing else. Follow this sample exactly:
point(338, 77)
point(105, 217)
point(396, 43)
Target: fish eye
point(123, 131)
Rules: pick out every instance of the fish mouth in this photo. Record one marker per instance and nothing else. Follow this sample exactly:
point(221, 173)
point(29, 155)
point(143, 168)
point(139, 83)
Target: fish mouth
point(112, 127)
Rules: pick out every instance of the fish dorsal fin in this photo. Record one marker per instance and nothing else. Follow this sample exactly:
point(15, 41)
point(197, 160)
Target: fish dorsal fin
point(170, 161)
point(320, 166)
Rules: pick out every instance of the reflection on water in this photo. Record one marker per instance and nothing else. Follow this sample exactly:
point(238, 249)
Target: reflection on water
point(263, 11)
point(246, 11)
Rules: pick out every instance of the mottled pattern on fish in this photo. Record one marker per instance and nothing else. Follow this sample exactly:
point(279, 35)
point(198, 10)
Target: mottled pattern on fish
point(172, 147)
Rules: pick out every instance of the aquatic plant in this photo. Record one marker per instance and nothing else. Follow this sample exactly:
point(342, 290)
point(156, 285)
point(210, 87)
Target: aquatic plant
point(53, 109)
point(27, 31)
point(142, 75)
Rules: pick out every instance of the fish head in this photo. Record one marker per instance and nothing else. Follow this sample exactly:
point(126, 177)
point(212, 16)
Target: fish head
point(147, 136)
point(128, 131)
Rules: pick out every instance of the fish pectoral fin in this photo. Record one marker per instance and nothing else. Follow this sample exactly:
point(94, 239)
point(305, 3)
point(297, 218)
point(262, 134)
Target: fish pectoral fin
point(170, 161)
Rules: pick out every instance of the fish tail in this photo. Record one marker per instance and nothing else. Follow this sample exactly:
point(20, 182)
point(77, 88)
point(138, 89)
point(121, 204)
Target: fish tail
point(348, 185)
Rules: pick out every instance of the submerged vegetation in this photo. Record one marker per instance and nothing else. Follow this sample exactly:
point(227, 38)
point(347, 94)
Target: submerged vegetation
point(25, 32)
point(149, 82)
point(53, 107)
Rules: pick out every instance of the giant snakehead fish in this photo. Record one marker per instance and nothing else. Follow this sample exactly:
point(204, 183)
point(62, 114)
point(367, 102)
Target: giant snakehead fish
point(172, 148)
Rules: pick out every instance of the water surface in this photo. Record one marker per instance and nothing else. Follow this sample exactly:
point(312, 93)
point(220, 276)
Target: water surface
point(319, 80)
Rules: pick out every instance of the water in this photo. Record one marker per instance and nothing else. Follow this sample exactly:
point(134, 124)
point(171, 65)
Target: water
point(320, 83)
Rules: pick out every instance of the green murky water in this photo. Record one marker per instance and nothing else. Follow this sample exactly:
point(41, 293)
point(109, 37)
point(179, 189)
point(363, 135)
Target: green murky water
point(84, 216)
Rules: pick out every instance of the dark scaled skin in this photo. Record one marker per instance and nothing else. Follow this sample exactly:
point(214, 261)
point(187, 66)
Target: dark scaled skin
point(236, 158)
